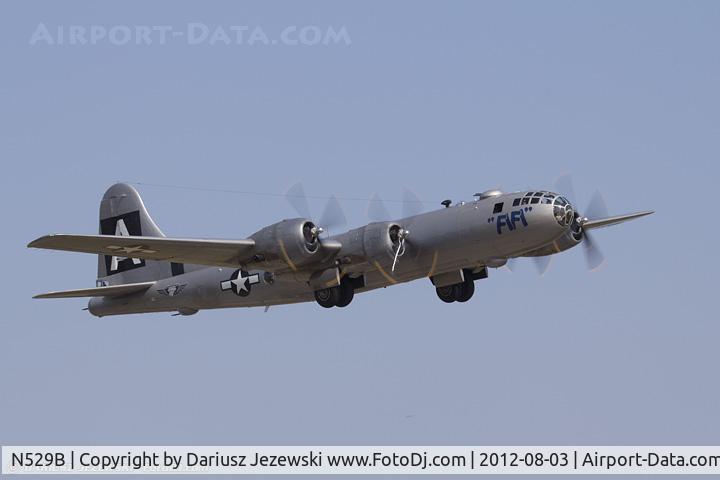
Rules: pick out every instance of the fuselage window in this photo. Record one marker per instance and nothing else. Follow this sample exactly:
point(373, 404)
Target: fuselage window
point(498, 207)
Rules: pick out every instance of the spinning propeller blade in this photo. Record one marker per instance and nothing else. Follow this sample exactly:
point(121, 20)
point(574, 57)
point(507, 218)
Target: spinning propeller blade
point(298, 200)
point(564, 186)
point(542, 263)
point(593, 256)
point(376, 209)
point(597, 207)
point(333, 215)
point(411, 204)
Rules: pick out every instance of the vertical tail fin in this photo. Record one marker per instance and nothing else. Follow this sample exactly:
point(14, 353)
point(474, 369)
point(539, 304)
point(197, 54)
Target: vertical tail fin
point(122, 212)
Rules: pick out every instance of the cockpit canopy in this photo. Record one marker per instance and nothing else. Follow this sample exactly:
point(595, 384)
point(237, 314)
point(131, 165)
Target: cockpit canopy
point(562, 209)
point(532, 198)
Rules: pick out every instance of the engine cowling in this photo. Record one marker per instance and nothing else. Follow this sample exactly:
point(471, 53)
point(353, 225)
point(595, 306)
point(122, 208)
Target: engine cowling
point(290, 244)
point(376, 241)
point(569, 239)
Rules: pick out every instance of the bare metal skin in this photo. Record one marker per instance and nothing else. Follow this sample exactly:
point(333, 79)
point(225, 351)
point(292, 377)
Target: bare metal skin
point(140, 270)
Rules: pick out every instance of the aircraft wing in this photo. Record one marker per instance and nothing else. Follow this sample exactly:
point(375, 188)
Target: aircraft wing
point(111, 291)
point(216, 253)
point(606, 222)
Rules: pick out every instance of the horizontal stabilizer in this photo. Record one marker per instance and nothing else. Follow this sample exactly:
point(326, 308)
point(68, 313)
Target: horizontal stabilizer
point(111, 291)
point(216, 253)
point(606, 222)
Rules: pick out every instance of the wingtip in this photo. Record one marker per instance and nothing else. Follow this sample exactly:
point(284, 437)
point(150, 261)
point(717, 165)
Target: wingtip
point(35, 243)
point(38, 242)
point(46, 295)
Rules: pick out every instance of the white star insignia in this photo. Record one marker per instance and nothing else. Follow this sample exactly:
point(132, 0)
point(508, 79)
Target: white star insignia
point(238, 282)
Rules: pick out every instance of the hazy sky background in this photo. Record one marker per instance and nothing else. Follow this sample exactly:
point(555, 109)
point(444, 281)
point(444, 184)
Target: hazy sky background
point(448, 98)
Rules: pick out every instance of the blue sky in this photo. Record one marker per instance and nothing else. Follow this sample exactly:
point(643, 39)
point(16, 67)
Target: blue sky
point(446, 98)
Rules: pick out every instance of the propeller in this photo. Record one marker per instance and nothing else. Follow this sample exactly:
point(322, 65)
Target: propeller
point(377, 211)
point(332, 216)
point(411, 204)
point(596, 209)
point(511, 264)
point(564, 186)
point(541, 263)
point(298, 200)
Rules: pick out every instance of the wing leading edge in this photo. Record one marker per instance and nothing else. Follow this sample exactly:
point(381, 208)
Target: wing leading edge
point(606, 222)
point(215, 253)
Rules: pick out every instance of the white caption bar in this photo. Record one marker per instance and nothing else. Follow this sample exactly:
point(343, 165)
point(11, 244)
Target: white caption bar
point(360, 460)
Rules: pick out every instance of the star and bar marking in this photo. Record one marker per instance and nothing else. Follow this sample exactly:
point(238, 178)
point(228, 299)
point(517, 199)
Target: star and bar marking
point(240, 282)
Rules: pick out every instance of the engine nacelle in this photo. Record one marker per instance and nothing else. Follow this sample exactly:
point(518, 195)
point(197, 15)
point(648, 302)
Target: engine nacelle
point(289, 244)
point(376, 241)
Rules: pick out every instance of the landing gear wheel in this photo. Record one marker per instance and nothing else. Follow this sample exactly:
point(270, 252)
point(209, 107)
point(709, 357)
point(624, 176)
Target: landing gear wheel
point(328, 297)
point(347, 292)
point(446, 294)
point(467, 288)
point(458, 292)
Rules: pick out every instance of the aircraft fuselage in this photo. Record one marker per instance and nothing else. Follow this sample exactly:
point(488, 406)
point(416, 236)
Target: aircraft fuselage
point(466, 237)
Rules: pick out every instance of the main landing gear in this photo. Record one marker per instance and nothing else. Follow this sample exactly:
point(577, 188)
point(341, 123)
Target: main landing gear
point(339, 296)
point(462, 290)
point(458, 292)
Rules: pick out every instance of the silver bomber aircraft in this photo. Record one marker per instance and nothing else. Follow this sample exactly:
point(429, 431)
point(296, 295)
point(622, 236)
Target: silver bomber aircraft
point(141, 270)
